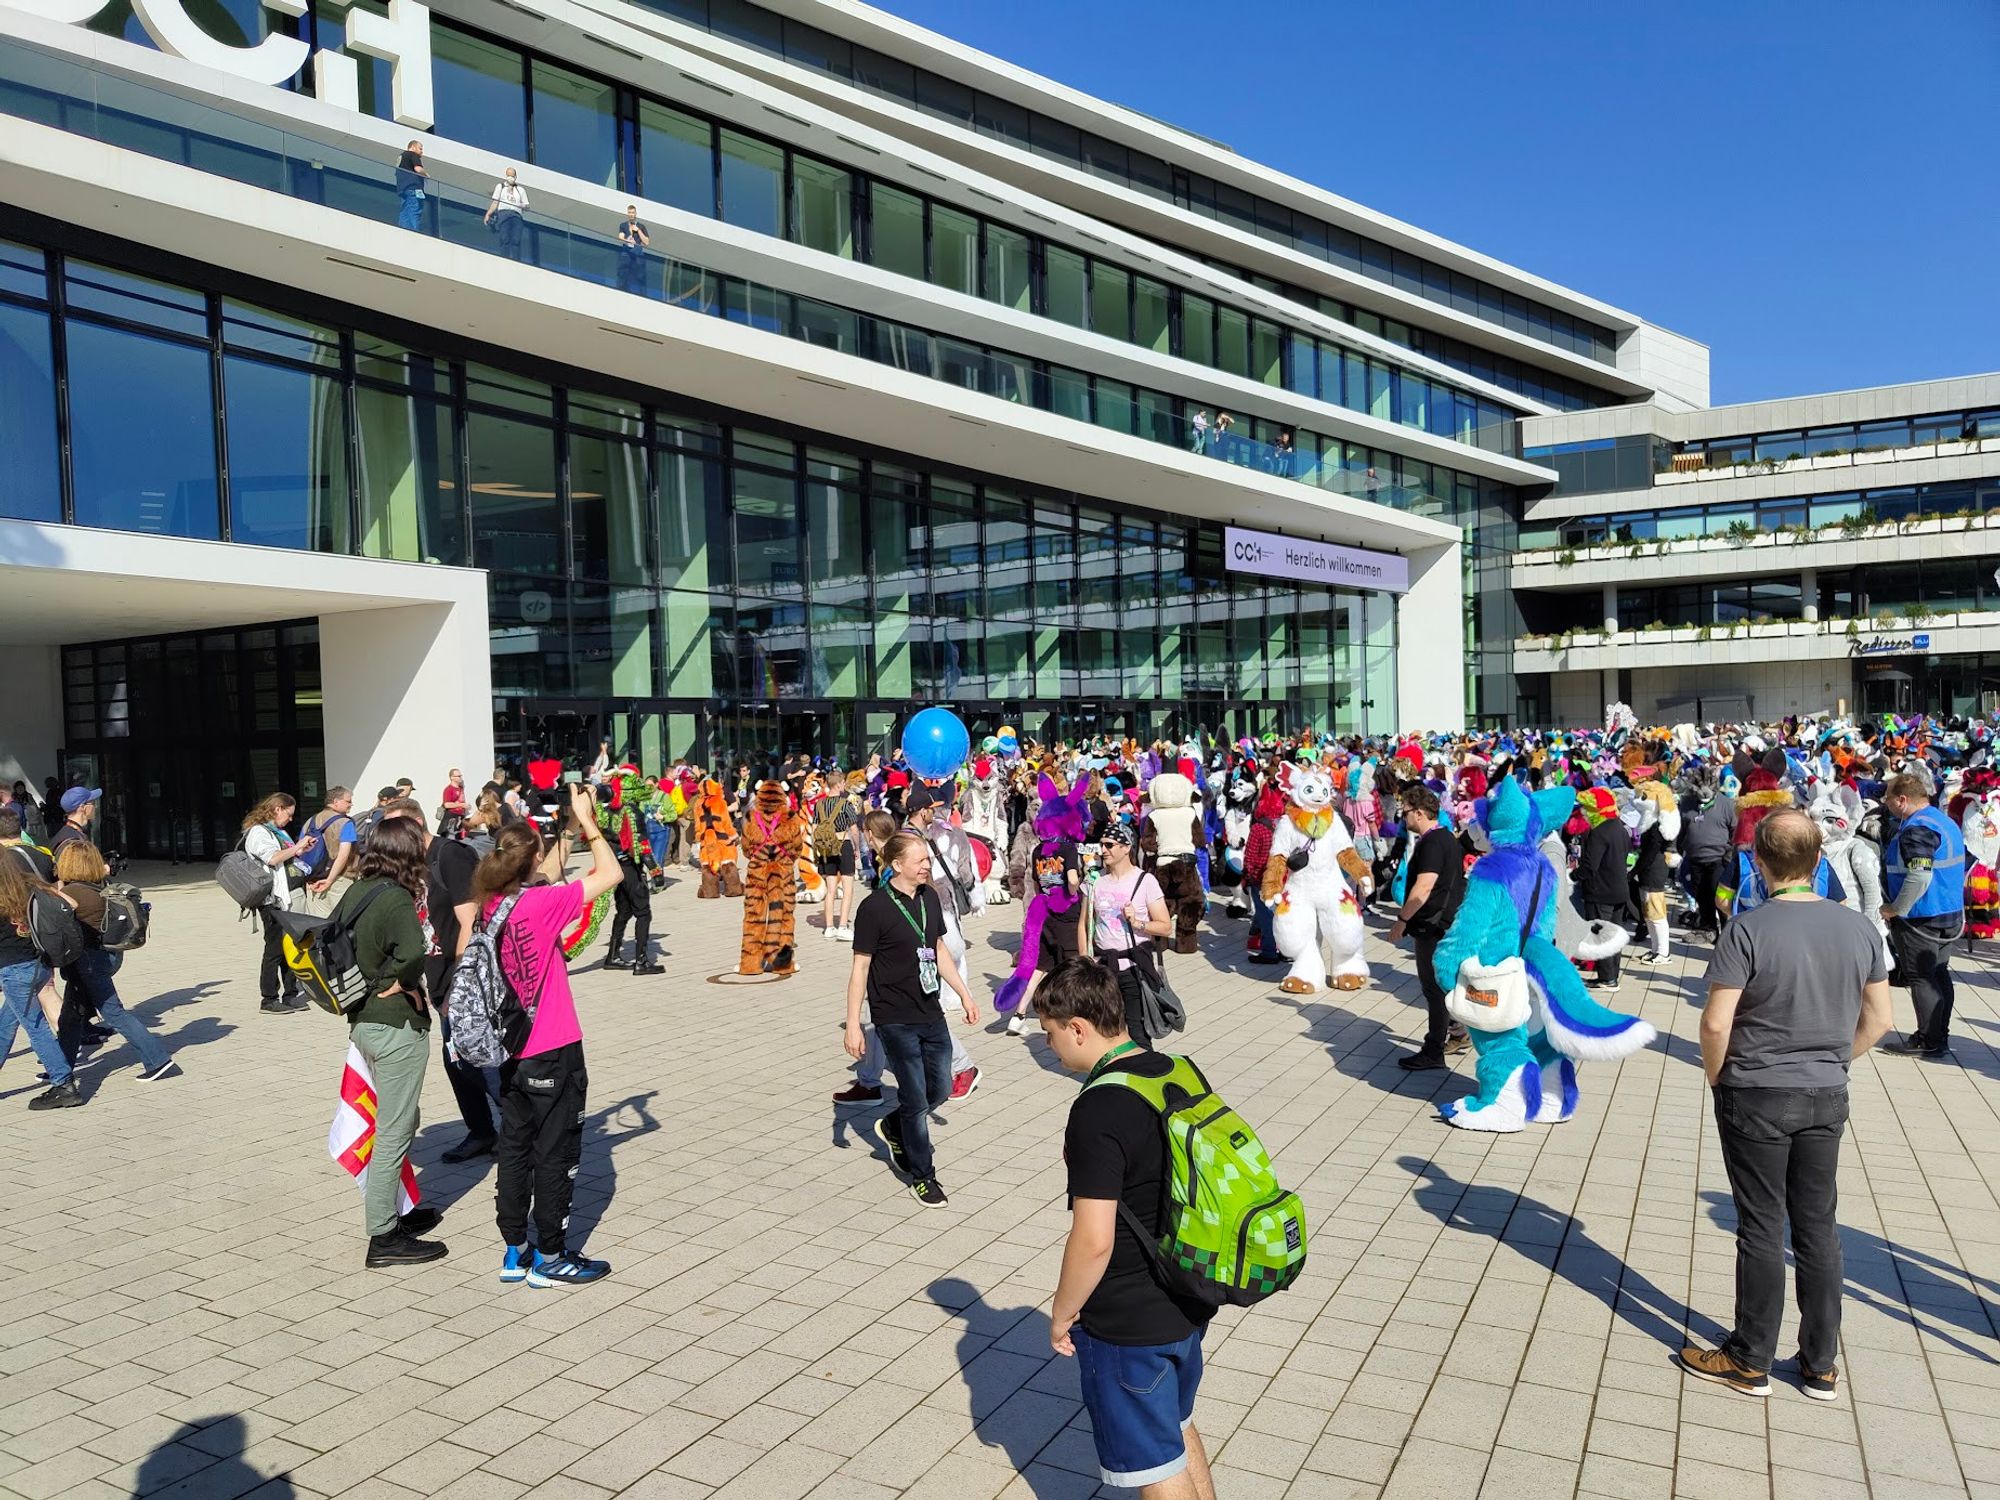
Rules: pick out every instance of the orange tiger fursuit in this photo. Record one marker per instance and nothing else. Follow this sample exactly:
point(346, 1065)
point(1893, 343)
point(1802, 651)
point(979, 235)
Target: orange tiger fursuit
point(774, 835)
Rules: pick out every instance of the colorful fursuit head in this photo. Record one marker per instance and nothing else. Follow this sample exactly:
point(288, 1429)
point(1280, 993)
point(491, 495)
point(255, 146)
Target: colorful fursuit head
point(1061, 817)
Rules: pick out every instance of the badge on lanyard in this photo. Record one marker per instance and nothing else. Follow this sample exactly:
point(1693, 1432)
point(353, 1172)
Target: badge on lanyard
point(927, 969)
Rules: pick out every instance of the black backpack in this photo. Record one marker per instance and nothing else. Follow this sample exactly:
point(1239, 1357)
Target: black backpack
point(53, 929)
point(319, 953)
point(317, 860)
point(127, 915)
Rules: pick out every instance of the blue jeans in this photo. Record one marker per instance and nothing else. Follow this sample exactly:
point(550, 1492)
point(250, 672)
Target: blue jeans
point(19, 1008)
point(411, 214)
point(508, 226)
point(920, 1057)
point(94, 974)
point(1262, 919)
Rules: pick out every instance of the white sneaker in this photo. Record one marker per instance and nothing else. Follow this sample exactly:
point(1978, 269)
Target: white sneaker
point(1015, 1023)
point(1655, 959)
point(829, 932)
point(843, 934)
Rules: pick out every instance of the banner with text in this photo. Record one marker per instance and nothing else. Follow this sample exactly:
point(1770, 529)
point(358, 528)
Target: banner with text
point(1274, 556)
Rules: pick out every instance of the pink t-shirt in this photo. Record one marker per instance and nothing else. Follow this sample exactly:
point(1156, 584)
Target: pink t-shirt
point(1109, 896)
point(532, 957)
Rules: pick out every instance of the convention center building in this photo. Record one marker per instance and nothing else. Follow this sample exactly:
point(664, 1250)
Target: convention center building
point(386, 388)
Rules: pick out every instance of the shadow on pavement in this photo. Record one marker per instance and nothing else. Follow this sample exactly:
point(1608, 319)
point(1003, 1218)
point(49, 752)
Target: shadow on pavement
point(999, 1350)
point(602, 1132)
point(213, 1453)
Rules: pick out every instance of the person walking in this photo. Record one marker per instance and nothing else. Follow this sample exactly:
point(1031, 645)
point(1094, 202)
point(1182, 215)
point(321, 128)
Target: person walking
point(1796, 991)
point(81, 868)
point(79, 810)
point(1603, 885)
point(1436, 884)
point(23, 977)
point(411, 180)
point(632, 243)
point(504, 213)
point(1125, 909)
point(385, 907)
point(264, 838)
point(844, 888)
point(544, 1088)
point(901, 963)
point(1923, 886)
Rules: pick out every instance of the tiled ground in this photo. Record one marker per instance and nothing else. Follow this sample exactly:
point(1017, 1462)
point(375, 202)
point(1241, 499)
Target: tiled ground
point(187, 1311)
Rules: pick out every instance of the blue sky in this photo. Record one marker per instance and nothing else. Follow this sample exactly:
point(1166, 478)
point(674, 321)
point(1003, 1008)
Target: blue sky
point(1810, 187)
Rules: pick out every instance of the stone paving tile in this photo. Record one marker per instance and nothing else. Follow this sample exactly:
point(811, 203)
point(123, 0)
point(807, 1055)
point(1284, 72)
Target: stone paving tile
point(1481, 1315)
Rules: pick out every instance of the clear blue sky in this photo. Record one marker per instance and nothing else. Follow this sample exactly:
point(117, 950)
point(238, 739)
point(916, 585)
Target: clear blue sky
point(1810, 187)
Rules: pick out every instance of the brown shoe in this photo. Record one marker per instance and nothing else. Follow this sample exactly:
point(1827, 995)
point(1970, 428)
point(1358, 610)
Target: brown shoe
point(1821, 1385)
point(1456, 1044)
point(1713, 1364)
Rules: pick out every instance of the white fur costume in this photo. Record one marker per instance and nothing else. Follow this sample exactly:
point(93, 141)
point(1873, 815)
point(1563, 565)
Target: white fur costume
point(986, 820)
point(1315, 904)
point(1236, 837)
point(1855, 860)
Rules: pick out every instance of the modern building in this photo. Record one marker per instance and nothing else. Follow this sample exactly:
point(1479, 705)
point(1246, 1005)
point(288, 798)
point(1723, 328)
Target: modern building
point(930, 380)
point(1823, 553)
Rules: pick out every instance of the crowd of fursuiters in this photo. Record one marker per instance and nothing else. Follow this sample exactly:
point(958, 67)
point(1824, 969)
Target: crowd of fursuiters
point(1579, 846)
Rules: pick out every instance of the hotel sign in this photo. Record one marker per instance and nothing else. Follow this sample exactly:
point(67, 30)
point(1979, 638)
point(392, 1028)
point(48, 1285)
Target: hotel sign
point(1272, 556)
point(1889, 645)
point(402, 38)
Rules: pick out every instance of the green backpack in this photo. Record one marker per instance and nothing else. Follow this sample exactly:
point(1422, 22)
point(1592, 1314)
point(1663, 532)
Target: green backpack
point(1231, 1234)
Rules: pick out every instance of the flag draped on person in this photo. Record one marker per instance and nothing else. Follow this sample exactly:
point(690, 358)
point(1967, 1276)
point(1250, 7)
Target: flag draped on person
point(351, 1141)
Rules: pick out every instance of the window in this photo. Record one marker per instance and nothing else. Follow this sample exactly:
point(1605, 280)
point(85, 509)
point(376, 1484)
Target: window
point(576, 124)
point(1110, 301)
point(1232, 338)
point(287, 456)
point(478, 94)
point(516, 520)
point(1264, 344)
point(1008, 277)
point(1381, 391)
point(1149, 314)
point(753, 183)
point(411, 506)
point(1069, 393)
point(677, 159)
point(822, 207)
point(954, 250)
point(136, 299)
point(1197, 329)
point(142, 433)
point(1065, 286)
point(609, 510)
point(30, 480)
point(896, 227)
point(1114, 405)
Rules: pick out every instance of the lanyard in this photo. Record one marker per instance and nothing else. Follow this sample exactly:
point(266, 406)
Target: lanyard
point(1118, 1051)
point(915, 926)
point(1788, 890)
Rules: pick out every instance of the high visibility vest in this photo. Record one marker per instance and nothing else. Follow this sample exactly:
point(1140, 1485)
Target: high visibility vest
point(1945, 895)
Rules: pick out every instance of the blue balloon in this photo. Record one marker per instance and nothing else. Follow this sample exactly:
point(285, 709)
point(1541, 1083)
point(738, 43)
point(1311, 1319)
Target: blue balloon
point(936, 743)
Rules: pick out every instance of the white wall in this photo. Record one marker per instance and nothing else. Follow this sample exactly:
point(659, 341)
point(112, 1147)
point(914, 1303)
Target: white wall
point(1430, 643)
point(408, 693)
point(1774, 688)
point(31, 722)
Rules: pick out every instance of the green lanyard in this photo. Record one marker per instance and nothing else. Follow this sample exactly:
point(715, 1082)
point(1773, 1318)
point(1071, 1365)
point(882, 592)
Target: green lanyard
point(923, 938)
point(1118, 1051)
point(1787, 890)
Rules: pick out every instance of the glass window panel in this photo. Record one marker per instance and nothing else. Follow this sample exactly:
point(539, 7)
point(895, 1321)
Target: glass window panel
point(1197, 329)
point(142, 433)
point(823, 207)
point(136, 299)
point(411, 507)
point(1149, 309)
point(896, 227)
point(608, 510)
point(1008, 278)
point(503, 388)
point(23, 271)
point(287, 456)
point(1874, 435)
point(954, 250)
point(576, 124)
point(694, 524)
point(476, 86)
point(753, 183)
point(1157, 419)
point(1066, 281)
point(768, 534)
point(379, 359)
point(516, 520)
point(757, 306)
point(1233, 341)
point(1110, 301)
point(677, 158)
point(30, 479)
point(259, 330)
point(1114, 405)
point(1381, 391)
point(1780, 445)
point(828, 327)
point(1265, 364)
point(1069, 393)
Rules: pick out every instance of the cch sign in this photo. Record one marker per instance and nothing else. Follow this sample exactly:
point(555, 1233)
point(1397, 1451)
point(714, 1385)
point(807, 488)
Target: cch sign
point(1272, 556)
point(401, 38)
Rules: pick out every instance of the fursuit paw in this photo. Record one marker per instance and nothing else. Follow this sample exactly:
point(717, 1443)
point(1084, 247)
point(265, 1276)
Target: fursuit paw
point(1291, 984)
point(1350, 982)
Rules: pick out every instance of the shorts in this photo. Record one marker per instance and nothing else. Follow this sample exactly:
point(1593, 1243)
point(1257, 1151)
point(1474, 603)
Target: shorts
point(827, 864)
point(1655, 904)
point(1141, 1401)
point(1058, 942)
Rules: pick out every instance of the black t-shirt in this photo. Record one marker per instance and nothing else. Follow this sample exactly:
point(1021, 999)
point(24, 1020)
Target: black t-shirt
point(1114, 1148)
point(14, 946)
point(66, 833)
point(451, 866)
point(1437, 853)
point(36, 860)
point(889, 938)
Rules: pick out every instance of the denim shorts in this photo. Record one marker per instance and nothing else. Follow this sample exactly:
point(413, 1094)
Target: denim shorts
point(1140, 1399)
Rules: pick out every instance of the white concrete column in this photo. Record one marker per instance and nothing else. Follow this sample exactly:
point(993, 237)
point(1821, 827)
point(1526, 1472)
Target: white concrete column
point(409, 692)
point(1610, 609)
point(1809, 594)
point(1430, 643)
point(31, 721)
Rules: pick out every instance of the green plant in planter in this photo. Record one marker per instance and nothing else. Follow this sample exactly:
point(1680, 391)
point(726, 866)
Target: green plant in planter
point(1660, 548)
point(1566, 558)
point(1704, 632)
point(1915, 612)
point(1860, 522)
point(1739, 532)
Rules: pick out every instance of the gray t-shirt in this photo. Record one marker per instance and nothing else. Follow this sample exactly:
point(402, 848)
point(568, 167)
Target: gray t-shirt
point(1801, 966)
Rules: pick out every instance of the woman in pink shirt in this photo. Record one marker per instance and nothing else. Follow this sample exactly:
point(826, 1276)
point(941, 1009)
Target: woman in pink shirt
point(542, 1090)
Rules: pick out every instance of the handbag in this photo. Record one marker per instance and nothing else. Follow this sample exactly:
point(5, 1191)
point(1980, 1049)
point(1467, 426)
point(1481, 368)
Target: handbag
point(1163, 1010)
point(1494, 997)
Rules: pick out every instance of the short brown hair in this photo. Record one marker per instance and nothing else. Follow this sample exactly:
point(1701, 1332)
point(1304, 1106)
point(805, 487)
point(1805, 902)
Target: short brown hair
point(408, 807)
point(879, 825)
point(1787, 845)
point(79, 860)
point(1419, 799)
point(1907, 784)
point(1083, 989)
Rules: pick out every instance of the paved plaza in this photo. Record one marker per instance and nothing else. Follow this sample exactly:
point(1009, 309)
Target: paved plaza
point(188, 1313)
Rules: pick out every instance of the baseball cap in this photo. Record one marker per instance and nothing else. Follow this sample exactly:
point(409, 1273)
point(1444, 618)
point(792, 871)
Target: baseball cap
point(917, 798)
point(77, 796)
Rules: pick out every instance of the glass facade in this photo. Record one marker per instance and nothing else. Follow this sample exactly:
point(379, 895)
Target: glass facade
point(1851, 509)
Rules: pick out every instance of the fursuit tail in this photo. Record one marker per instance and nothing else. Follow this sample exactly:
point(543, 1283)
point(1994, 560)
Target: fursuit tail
point(1573, 1023)
point(1009, 997)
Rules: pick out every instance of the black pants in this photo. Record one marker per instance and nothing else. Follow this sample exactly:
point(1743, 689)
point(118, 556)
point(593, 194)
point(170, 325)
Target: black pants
point(1781, 1148)
point(1437, 1019)
point(274, 977)
point(541, 1142)
point(1135, 1005)
point(1703, 878)
point(1608, 911)
point(75, 1012)
point(468, 1084)
point(631, 902)
point(1923, 962)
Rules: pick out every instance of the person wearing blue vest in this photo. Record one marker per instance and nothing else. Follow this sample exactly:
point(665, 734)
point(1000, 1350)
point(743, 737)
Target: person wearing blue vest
point(1923, 882)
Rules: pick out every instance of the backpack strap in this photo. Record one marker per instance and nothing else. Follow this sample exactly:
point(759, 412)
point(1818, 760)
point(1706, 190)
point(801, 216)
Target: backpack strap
point(1183, 1075)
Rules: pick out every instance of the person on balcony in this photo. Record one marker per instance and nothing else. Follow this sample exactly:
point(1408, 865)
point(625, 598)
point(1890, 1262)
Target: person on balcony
point(504, 214)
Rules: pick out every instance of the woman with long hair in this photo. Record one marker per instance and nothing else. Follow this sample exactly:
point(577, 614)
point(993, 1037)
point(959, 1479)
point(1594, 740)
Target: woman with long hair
point(264, 838)
point(22, 976)
point(82, 871)
point(385, 907)
point(543, 1088)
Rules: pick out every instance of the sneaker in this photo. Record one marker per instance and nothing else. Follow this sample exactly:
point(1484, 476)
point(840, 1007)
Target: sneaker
point(615, 962)
point(1418, 1062)
point(296, 1001)
point(1457, 1042)
point(277, 1008)
point(649, 967)
point(64, 1095)
point(1269, 958)
point(1016, 1024)
point(843, 934)
point(88, 1043)
point(166, 1069)
point(514, 1265)
point(962, 1084)
point(858, 1093)
point(400, 1249)
point(928, 1193)
point(1713, 1364)
point(419, 1220)
point(892, 1137)
point(99, 1033)
point(565, 1270)
point(1913, 1045)
point(1821, 1385)
point(1652, 960)
point(472, 1147)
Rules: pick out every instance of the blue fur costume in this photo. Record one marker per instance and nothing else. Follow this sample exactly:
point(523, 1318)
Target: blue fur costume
point(1528, 1072)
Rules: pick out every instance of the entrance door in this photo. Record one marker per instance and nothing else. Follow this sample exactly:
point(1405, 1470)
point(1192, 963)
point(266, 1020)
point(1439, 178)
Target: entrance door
point(564, 729)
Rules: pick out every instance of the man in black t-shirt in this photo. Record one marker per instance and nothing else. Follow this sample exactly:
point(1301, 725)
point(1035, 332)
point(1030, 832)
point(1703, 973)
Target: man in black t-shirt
point(1436, 884)
point(901, 964)
point(1137, 1346)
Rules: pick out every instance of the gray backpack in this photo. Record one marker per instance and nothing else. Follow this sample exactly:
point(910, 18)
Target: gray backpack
point(246, 878)
point(489, 1021)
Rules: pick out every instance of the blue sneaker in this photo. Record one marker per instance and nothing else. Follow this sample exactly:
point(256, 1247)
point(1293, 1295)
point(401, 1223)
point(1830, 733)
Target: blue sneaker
point(566, 1270)
point(515, 1266)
